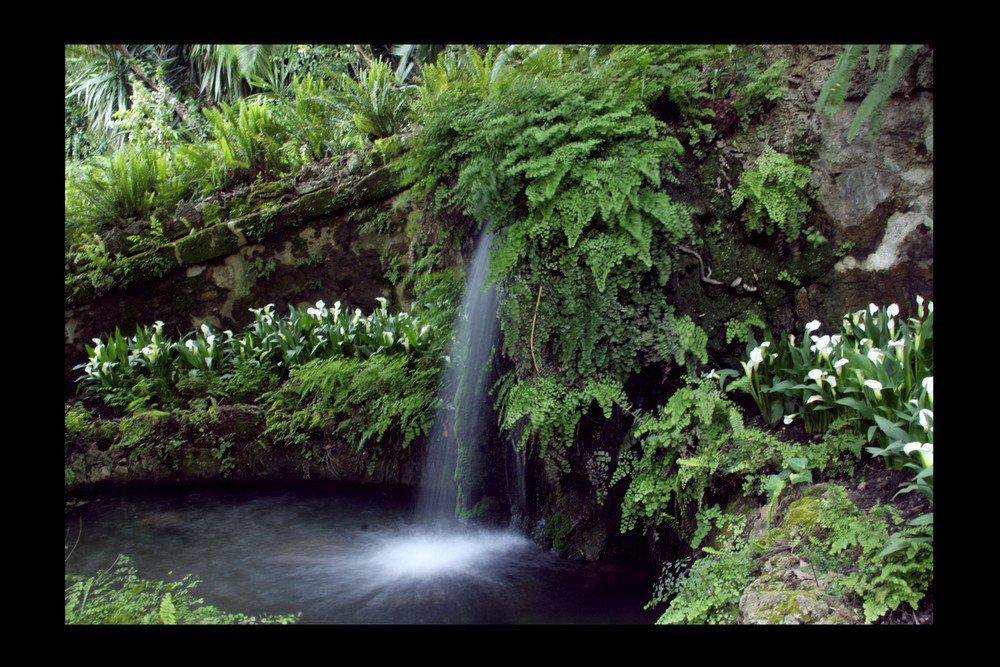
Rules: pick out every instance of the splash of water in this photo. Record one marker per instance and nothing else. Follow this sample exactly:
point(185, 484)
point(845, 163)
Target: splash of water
point(423, 554)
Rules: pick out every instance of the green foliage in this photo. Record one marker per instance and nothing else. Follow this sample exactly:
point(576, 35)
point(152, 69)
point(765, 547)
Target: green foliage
point(705, 588)
point(760, 89)
point(570, 168)
point(895, 65)
point(706, 593)
point(852, 542)
point(311, 124)
point(98, 80)
point(741, 329)
point(543, 408)
point(121, 365)
point(361, 402)
point(878, 371)
point(129, 185)
point(376, 101)
point(249, 140)
point(117, 596)
point(149, 121)
point(678, 452)
point(777, 193)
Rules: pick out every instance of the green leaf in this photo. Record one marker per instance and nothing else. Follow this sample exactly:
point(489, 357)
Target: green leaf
point(892, 431)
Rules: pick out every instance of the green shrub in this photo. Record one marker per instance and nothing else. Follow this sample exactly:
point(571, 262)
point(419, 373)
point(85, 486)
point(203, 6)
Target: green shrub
point(117, 596)
point(377, 103)
point(128, 185)
point(118, 366)
point(677, 454)
point(361, 402)
point(852, 543)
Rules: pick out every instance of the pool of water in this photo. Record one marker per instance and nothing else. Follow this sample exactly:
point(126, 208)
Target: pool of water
point(346, 557)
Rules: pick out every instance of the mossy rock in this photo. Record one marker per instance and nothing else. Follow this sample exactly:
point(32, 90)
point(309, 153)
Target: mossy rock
point(787, 595)
point(199, 462)
point(207, 244)
point(801, 520)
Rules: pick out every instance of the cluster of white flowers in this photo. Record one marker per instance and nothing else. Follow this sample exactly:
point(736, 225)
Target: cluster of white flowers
point(265, 314)
point(757, 356)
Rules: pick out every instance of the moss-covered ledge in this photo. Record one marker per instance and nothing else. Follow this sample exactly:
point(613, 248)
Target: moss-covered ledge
point(219, 443)
point(228, 235)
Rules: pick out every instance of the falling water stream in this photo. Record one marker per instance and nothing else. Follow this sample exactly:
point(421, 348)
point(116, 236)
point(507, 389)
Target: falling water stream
point(363, 556)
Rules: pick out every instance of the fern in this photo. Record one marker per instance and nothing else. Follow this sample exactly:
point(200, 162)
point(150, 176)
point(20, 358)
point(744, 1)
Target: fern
point(546, 411)
point(168, 613)
point(570, 170)
point(777, 193)
point(853, 543)
point(362, 402)
point(680, 451)
point(117, 596)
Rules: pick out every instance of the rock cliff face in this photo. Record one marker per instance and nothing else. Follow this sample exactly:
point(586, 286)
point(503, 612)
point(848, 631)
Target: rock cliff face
point(874, 197)
point(878, 194)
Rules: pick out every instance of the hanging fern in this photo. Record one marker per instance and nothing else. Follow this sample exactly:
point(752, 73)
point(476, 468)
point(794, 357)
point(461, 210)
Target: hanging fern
point(680, 449)
point(545, 409)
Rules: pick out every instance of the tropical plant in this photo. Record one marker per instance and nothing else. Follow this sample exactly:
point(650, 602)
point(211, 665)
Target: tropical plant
point(269, 342)
point(229, 72)
point(149, 120)
point(896, 63)
point(677, 453)
point(98, 79)
point(878, 372)
point(312, 121)
point(376, 101)
point(128, 185)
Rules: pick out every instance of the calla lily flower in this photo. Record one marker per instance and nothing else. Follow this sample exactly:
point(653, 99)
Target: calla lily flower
point(925, 450)
point(926, 418)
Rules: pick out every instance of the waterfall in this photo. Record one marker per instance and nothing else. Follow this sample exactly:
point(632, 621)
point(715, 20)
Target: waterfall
point(463, 419)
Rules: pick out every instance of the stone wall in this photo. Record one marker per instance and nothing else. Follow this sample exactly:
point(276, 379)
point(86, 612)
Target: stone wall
point(334, 239)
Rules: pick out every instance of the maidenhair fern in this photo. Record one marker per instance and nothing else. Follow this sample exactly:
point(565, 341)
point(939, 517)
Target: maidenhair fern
point(777, 192)
point(546, 409)
point(680, 449)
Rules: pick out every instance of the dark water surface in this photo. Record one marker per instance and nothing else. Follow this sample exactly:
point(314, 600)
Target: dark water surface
point(346, 557)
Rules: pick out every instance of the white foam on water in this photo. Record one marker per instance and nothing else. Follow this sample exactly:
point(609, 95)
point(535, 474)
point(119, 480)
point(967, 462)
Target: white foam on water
point(429, 554)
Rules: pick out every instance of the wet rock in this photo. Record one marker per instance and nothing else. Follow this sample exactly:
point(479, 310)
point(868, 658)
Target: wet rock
point(788, 593)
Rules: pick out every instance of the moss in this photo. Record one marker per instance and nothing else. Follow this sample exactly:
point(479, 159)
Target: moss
point(802, 519)
point(212, 213)
point(199, 462)
point(205, 245)
point(557, 529)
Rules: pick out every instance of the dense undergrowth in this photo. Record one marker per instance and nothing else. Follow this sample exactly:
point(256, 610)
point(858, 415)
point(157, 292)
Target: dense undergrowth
point(577, 157)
